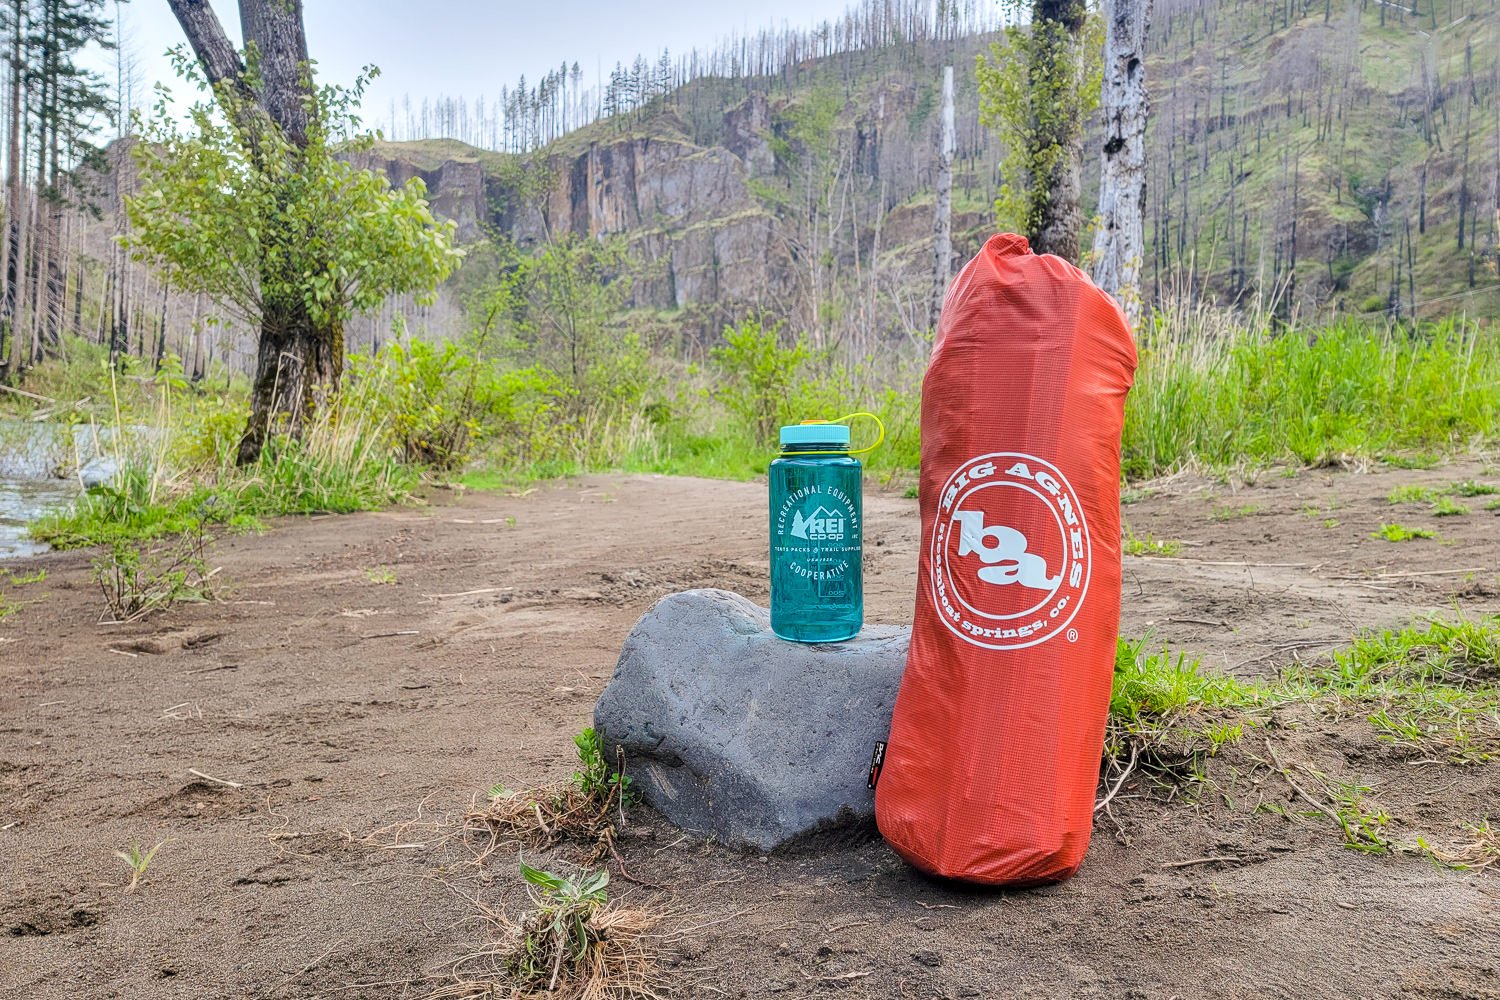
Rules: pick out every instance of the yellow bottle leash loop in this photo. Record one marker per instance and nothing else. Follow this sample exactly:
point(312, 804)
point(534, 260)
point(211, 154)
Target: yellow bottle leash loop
point(879, 437)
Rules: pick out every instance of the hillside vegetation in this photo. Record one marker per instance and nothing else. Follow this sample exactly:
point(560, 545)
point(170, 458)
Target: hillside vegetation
point(1315, 158)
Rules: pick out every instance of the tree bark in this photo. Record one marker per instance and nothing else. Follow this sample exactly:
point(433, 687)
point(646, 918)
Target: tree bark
point(943, 223)
point(12, 229)
point(299, 362)
point(195, 355)
point(20, 330)
point(1059, 23)
point(274, 33)
point(1120, 242)
point(210, 44)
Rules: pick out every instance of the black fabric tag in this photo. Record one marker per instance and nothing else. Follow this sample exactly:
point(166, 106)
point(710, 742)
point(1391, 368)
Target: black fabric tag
point(877, 761)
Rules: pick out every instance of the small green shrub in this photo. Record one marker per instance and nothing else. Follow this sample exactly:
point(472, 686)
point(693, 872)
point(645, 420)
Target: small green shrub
point(137, 580)
point(757, 375)
point(1150, 546)
point(1412, 493)
point(1448, 507)
point(576, 943)
point(138, 860)
point(1401, 533)
point(595, 778)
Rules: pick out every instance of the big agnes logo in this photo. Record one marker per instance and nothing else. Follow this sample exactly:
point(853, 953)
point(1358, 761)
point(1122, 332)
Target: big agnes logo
point(1010, 552)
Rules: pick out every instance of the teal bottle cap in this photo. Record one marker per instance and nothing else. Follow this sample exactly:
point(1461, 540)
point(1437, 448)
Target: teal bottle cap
point(816, 432)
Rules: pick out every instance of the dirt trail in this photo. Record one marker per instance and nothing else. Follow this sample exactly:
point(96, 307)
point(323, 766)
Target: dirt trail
point(358, 718)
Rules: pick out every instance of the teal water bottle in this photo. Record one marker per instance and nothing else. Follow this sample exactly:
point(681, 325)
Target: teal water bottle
point(817, 583)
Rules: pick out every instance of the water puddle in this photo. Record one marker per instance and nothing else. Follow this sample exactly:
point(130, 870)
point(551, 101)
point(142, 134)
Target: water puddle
point(39, 465)
point(23, 501)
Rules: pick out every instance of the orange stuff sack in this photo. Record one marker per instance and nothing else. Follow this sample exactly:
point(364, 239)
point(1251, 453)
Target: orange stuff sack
point(993, 759)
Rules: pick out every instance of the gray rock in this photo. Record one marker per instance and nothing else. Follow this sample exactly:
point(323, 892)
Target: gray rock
point(727, 729)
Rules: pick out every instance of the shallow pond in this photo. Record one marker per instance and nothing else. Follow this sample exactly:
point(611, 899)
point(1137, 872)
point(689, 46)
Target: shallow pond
point(23, 501)
point(39, 465)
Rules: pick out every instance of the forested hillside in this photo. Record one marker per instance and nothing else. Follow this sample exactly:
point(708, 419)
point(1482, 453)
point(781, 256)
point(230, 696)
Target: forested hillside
point(1313, 157)
point(1305, 158)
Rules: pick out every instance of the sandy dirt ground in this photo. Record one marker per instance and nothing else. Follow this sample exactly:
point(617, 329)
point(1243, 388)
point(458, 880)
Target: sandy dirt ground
point(358, 718)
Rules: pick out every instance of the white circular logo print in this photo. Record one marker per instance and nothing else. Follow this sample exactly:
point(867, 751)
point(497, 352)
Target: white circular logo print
point(1010, 552)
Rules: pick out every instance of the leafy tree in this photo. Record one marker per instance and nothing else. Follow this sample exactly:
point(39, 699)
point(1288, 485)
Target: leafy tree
point(1036, 89)
point(254, 206)
point(562, 305)
point(813, 144)
point(758, 374)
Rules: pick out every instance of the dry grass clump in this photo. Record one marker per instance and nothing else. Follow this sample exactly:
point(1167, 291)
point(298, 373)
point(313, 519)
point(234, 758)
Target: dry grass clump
point(584, 810)
point(575, 945)
point(540, 818)
point(1479, 854)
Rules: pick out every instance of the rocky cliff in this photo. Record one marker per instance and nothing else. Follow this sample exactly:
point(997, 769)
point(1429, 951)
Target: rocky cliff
point(1317, 160)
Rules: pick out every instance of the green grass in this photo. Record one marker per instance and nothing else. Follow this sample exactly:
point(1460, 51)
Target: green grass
point(1212, 391)
point(1441, 500)
point(1235, 513)
point(1432, 688)
point(1448, 507)
point(1412, 493)
point(1415, 461)
point(1473, 488)
point(1215, 393)
point(184, 474)
point(1151, 686)
point(1150, 546)
point(1401, 533)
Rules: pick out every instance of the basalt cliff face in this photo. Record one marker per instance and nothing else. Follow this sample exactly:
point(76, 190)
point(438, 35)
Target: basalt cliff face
point(719, 223)
point(685, 209)
point(1323, 160)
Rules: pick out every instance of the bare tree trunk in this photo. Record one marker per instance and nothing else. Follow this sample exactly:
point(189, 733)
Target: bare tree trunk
point(195, 369)
point(11, 229)
point(299, 362)
point(942, 263)
point(20, 330)
point(1120, 242)
point(17, 200)
point(37, 294)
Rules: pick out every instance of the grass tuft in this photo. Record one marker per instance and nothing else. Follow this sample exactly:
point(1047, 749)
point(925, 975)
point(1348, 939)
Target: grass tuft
point(1401, 533)
point(1448, 507)
point(574, 944)
point(582, 810)
point(138, 860)
point(1235, 513)
point(1480, 852)
point(1429, 689)
point(1150, 546)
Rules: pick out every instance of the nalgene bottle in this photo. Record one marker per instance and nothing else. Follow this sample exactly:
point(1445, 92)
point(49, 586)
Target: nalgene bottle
point(817, 590)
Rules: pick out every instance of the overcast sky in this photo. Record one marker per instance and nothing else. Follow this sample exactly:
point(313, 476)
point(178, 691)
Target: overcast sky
point(471, 47)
